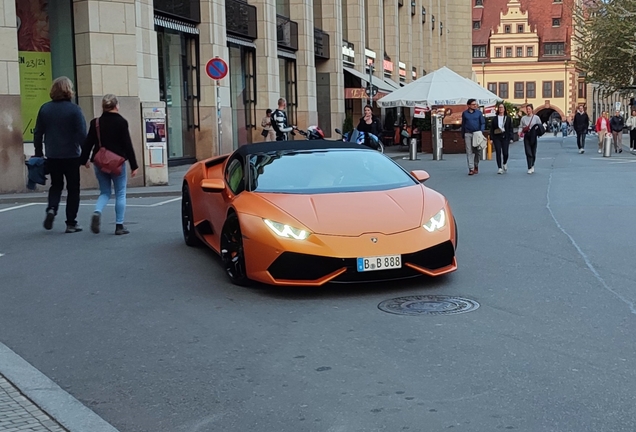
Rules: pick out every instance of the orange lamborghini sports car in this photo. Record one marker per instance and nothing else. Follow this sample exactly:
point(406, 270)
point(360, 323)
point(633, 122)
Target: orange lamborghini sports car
point(310, 212)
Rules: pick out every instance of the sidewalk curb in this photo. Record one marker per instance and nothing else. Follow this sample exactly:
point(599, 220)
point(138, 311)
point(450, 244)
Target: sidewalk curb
point(43, 197)
point(48, 396)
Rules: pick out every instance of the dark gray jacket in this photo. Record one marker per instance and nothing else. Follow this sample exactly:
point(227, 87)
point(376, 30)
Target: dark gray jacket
point(61, 125)
point(617, 123)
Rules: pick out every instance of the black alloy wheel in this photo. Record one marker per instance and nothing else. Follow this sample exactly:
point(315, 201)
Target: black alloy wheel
point(232, 253)
point(187, 220)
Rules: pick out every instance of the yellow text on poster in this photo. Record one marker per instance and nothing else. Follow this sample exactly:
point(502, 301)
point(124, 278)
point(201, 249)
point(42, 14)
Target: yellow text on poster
point(35, 82)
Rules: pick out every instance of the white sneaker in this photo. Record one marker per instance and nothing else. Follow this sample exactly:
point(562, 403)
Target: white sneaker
point(599, 150)
point(530, 171)
point(505, 167)
point(581, 151)
point(499, 171)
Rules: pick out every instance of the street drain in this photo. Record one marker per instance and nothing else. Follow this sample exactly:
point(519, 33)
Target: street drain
point(428, 305)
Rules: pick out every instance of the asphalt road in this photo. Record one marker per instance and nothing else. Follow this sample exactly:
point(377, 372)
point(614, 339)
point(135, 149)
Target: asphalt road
point(148, 333)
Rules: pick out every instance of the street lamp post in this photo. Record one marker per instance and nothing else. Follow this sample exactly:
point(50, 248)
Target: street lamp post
point(566, 87)
point(483, 74)
point(370, 92)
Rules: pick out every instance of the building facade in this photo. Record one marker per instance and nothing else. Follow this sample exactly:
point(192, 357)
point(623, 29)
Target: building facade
point(317, 54)
point(523, 52)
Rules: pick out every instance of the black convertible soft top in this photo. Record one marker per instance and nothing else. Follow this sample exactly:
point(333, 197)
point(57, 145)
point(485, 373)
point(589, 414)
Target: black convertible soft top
point(300, 145)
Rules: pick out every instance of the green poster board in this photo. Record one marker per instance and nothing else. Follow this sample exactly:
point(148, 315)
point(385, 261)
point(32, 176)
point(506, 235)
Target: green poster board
point(35, 83)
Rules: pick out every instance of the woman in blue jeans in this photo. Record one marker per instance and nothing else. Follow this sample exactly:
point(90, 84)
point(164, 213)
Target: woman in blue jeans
point(110, 131)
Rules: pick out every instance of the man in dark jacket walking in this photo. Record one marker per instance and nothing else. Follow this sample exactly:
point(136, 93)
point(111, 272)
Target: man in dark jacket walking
point(581, 124)
point(472, 121)
point(61, 125)
point(617, 123)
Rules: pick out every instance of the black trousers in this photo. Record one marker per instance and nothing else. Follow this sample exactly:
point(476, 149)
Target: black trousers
point(501, 147)
point(632, 139)
point(530, 145)
point(68, 169)
point(580, 139)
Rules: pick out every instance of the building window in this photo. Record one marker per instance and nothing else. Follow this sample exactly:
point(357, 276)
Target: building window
point(287, 82)
point(556, 22)
point(242, 92)
point(498, 52)
point(554, 49)
point(507, 29)
point(479, 51)
point(509, 52)
point(520, 28)
point(492, 87)
point(519, 51)
point(531, 90)
point(558, 89)
point(530, 52)
point(547, 89)
point(582, 90)
point(476, 25)
point(479, 2)
point(503, 90)
point(518, 90)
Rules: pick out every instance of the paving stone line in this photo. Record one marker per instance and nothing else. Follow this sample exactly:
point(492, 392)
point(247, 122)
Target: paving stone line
point(19, 414)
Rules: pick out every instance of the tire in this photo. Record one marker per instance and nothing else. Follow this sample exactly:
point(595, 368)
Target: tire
point(232, 253)
point(187, 219)
point(380, 147)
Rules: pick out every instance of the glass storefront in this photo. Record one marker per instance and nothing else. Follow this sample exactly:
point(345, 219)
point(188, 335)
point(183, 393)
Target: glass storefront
point(287, 77)
point(45, 51)
point(242, 93)
point(177, 88)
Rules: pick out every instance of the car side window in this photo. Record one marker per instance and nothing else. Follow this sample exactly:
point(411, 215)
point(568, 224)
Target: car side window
point(235, 177)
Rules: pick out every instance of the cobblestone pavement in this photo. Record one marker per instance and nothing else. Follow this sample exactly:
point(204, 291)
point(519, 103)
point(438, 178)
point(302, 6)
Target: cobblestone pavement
point(19, 414)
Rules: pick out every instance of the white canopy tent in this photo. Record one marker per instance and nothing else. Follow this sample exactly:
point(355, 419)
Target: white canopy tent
point(441, 87)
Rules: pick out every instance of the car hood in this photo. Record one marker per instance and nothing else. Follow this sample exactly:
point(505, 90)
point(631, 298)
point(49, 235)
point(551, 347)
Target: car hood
point(355, 213)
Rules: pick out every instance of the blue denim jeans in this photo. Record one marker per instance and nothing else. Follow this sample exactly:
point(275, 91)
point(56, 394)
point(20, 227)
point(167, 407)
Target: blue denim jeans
point(105, 190)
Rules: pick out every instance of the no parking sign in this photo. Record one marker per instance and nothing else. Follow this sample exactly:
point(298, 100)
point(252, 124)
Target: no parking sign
point(216, 68)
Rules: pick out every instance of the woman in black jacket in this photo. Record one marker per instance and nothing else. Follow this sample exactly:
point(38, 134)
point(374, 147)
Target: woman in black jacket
point(501, 135)
point(110, 130)
point(369, 123)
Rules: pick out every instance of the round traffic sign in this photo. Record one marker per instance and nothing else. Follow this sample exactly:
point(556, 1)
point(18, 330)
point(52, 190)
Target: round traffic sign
point(216, 68)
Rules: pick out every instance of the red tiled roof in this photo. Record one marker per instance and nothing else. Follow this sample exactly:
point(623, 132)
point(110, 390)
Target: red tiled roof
point(539, 18)
point(477, 13)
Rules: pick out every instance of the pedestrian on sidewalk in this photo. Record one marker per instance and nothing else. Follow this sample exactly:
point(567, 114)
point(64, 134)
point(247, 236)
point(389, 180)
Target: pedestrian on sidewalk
point(530, 130)
point(279, 121)
point(110, 131)
point(501, 134)
point(61, 125)
point(631, 125)
point(581, 125)
point(602, 127)
point(564, 128)
point(617, 124)
point(472, 121)
point(266, 123)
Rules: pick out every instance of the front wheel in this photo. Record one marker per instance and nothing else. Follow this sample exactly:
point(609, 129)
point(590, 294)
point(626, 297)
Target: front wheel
point(232, 252)
point(187, 219)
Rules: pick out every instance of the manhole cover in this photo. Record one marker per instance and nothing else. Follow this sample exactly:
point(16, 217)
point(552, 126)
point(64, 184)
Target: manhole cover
point(428, 305)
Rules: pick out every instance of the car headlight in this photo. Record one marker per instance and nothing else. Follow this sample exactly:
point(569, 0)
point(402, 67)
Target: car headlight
point(286, 231)
point(437, 222)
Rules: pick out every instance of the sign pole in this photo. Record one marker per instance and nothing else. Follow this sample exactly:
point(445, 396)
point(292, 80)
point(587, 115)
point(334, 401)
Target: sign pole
point(219, 135)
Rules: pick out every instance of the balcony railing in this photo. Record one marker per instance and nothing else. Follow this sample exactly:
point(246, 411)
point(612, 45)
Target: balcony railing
point(240, 19)
point(287, 33)
point(321, 43)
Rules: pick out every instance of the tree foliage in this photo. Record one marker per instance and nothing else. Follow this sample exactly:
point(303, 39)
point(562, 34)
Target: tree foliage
point(605, 33)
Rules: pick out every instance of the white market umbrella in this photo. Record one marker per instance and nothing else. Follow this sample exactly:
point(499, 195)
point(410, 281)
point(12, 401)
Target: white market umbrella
point(442, 87)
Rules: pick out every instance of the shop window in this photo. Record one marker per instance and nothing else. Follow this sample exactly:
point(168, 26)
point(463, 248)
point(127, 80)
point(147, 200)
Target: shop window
point(242, 93)
point(531, 90)
point(45, 52)
point(519, 90)
point(503, 90)
point(558, 89)
point(547, 89)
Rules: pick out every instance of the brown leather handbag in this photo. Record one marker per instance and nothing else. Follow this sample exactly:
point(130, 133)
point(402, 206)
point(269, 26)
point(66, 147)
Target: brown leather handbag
point(107, 161)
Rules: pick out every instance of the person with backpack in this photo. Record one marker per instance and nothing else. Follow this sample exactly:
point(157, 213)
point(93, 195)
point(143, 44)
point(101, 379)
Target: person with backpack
point(279, 121)
point(531, 130)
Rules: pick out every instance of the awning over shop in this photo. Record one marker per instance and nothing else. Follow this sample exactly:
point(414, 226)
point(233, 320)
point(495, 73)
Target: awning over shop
point(381, 85)
point(392, 83)
point(360, 93)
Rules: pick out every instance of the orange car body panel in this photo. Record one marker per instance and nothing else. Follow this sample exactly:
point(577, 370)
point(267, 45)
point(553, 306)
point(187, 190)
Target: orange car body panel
point(341, 224)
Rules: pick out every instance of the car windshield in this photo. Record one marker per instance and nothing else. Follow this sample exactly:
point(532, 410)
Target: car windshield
point(325, 171)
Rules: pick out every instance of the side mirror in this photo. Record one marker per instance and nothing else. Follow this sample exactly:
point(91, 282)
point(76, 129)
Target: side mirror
point(338, 131)
point(213, 185)
point(420, 175)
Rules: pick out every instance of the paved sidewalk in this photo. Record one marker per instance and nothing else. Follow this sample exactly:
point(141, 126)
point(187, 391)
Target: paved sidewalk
point(18, 413)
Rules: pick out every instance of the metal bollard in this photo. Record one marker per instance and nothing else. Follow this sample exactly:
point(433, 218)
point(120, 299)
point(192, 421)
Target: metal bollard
point(412, 150)
point(607, 145)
